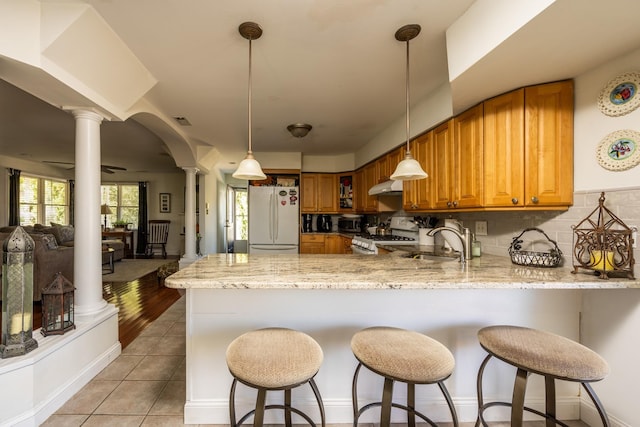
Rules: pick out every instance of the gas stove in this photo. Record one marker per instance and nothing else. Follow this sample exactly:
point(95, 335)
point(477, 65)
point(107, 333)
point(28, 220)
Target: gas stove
point(403, 232)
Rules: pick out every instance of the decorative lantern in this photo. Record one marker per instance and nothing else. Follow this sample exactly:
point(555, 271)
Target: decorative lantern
point(603, 243)
point(57, 307)
point(17, 295)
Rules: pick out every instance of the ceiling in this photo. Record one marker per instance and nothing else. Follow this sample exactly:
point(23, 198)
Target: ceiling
point(334, 64)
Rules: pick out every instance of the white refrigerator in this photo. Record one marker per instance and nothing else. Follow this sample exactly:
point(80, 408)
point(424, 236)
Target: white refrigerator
point(274, 215)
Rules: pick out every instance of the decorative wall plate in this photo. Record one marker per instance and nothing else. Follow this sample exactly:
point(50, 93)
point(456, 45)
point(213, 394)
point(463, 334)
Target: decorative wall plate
point(619, 150)
point(620, 95)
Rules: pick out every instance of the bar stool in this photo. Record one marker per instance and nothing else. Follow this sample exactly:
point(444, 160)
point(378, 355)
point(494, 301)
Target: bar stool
point(273, 359)
point(542, 353)
point(404, 356)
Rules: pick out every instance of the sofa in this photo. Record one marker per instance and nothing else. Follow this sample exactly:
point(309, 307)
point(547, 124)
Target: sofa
point(53, 252)
point(48, 259)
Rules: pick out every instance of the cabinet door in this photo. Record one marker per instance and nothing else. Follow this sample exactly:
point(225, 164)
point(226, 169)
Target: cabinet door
point(346, 245)
point(308, 193)
point(370, 179)
point(327, 193)
point(312, 243)
point(418, 194)
point(549, 144)
point(333, 244)
point(443, 165)
point(359, 190)
point(504, 150)
point(394, 157)
point(468, 161)
point(382, 169)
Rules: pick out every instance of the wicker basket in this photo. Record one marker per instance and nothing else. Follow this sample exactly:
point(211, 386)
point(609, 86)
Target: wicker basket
point(553, 258)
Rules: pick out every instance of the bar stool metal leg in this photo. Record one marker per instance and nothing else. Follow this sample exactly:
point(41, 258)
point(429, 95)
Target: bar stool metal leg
point(542, 353)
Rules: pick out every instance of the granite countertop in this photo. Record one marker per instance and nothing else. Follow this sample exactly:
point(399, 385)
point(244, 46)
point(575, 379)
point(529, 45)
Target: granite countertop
point(367, 272)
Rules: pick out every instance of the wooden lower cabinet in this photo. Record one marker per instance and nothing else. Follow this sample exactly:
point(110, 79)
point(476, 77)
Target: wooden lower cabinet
point(318, 243)
point(333, 244)
point(312, 243)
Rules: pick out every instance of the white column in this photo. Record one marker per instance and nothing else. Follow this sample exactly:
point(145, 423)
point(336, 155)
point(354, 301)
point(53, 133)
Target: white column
point(189, 218)
point(87, 261)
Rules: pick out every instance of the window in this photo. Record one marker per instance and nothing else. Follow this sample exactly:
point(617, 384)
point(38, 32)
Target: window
point(241, 215)
point(123, 201)
point(43, 201)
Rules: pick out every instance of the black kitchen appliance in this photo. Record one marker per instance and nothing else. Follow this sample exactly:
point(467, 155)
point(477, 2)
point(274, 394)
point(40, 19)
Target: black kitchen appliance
point(350, 224)
point(307, 223)
point(323, 223)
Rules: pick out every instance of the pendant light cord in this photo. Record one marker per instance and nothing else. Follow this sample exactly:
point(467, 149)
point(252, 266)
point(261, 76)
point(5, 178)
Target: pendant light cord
point(407, 88)
point(249, 98)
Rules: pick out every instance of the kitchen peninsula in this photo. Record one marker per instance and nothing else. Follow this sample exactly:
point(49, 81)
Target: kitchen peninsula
point(331, 297)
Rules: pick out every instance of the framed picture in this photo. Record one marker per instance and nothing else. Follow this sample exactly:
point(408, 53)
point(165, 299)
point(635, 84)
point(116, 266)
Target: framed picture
point(165, 202)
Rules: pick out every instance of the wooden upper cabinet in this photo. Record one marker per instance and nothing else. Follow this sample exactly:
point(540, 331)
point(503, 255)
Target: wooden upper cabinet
point(458, 161)
point(395, 157)
point(417, 194)
point(549, 144)
point(319, 193)
point(529, 147)
point(504, 150)
point(308, 193)
point(360, 191)
point(327, 193)
point(468, 156)
point(443, 165)
point(382, 169)
point(370, 178)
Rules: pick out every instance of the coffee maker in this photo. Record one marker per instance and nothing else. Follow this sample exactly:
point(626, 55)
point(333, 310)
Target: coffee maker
point(323, 223)
point(307, 223)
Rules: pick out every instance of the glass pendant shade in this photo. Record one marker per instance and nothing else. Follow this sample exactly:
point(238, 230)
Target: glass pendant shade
point(249, 169)
point(408, 169)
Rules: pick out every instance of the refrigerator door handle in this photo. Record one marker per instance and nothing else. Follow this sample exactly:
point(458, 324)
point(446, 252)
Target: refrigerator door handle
point(271, 216)
point(276, 218)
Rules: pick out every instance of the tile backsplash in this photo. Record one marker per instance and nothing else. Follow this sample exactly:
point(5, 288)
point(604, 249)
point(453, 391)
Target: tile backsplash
point(504, 226)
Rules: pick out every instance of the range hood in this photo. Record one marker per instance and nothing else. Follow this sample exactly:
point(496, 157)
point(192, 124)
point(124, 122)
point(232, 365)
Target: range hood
point(387, 188)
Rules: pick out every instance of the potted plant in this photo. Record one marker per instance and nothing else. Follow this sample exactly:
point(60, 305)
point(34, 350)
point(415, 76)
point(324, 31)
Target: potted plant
point(120, 224)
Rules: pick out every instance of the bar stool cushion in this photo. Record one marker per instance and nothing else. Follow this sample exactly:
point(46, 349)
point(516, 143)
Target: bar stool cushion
point(402, 355)
point(543, 353)
point(274, 358)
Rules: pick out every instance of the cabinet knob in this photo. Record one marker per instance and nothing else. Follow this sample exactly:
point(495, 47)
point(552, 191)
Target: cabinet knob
point(534, 199)
point(455, 203)
point(448, 204)
point(414, 206)
point(514, 200)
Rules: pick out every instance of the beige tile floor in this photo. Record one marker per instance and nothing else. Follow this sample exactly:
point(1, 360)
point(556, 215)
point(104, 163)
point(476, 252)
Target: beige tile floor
point(145, 385)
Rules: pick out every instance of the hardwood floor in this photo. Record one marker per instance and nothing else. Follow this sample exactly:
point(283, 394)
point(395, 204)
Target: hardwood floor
point(140, 302)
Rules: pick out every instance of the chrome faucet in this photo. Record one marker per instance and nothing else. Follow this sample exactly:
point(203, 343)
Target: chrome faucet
point(465, 239)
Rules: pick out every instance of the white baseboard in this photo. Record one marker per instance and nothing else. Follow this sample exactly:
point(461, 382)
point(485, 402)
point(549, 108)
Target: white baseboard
point(341, 411)
point(589, 414)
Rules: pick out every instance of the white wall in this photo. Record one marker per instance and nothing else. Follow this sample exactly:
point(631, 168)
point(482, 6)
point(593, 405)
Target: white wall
point(611, 321)
point(591, 126)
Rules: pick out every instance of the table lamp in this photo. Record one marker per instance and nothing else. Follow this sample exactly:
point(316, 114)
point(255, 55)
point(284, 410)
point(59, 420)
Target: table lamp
point(105, 210)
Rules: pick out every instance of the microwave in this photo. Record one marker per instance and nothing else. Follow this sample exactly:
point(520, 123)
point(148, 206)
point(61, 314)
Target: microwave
point(350, 225)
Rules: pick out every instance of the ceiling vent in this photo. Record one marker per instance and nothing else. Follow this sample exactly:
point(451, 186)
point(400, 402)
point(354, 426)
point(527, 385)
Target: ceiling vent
point(182, 121)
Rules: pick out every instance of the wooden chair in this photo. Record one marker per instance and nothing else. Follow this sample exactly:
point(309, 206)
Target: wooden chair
point(157, 234)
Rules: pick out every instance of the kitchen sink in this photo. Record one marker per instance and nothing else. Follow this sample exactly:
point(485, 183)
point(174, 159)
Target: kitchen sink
point(433, 257)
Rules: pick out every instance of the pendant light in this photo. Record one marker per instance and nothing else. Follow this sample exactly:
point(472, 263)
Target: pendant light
point(409, 168)
point(249, 168)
